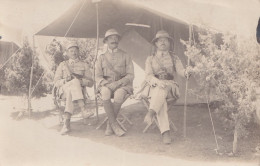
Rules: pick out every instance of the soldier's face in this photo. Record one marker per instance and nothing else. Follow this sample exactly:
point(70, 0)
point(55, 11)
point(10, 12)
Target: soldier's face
point(73, 53)
point(163, 44)
point(112, 41)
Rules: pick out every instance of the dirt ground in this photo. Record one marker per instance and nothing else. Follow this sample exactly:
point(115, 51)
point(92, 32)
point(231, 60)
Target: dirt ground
point(198, 146)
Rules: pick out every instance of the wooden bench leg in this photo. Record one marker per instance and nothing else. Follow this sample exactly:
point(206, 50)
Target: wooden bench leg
point(125, 118)
point(104, 121)
point(147, 127)
point(121, 125)
point(154, 120)
point(173, 126)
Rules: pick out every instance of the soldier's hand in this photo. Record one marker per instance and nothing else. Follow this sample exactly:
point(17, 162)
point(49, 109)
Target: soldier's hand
point(68, 78)
point(104, 82)
point(161, 84)
point(112, 86)
point(187, 72)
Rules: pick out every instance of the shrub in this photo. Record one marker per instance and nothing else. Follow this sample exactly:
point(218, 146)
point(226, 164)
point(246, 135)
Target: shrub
point(231, 70)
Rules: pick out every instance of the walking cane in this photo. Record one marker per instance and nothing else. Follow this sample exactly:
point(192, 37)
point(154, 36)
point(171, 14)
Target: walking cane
point(186, 91)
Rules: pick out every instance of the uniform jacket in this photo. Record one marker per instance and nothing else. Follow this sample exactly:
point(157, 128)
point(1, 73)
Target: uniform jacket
point(153, 68)
point(171, 63)
point(121, 63)
point(75, 66)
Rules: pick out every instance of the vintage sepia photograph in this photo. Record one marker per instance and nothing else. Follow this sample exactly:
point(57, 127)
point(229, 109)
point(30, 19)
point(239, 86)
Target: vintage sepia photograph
point(129, 82)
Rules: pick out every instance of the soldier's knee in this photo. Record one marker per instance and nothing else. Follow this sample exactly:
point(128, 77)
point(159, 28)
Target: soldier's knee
point(76, 82)
point(119, 95)
point(105, 93)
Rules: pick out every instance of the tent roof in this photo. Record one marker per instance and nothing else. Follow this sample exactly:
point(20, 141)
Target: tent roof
point(112, 14)
point(6, 50)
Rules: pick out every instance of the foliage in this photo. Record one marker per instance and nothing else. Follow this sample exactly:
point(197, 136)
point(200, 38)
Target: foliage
point(17, 74)
point(231, 70)
point(57, 53)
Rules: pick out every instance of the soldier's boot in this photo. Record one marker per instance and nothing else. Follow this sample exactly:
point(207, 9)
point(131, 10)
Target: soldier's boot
point(109, 131)
point(166, 137)
point(112, 118)
point(85, 112)
point(66, 126)
point(117, 107)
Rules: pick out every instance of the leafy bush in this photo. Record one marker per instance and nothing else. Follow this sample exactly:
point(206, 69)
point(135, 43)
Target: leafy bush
point(231, 70)
point(17, 74)
point(56, 51)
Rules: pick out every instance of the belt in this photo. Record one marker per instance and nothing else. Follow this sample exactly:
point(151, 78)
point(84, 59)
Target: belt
point(164, 76)
point(113, 78)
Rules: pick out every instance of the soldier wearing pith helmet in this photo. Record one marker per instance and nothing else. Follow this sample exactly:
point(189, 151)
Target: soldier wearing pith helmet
point(70, 78)
point(114, 76)
point(161, 68)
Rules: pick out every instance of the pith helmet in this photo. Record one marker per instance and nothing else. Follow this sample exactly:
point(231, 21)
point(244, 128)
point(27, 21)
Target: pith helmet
point(162, 33)
point(109, 33)
point(72, 44)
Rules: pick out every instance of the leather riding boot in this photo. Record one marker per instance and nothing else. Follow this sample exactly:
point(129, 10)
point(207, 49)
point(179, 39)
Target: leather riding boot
point(117, 107)
point(166, 137)
point(109, 130)
point(112, 118)
point(66, 126)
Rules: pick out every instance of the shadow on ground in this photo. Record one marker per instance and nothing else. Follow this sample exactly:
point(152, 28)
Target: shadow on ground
point(199, 144)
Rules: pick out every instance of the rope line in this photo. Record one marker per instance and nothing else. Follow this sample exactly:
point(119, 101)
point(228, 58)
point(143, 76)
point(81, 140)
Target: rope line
point(37, 83)
point(216, 140)
point(74, 19)
point(9, 58)
point(64, 36)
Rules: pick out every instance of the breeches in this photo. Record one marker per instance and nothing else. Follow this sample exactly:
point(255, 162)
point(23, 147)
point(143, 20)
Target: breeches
point(73, 94)
point(118, 95)
point(158, 103)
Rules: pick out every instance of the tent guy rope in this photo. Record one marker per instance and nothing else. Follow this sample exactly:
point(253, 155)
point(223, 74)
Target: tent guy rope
point(9, 59)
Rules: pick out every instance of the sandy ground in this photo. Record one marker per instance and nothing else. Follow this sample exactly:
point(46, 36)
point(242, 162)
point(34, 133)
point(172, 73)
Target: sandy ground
point(30, 142)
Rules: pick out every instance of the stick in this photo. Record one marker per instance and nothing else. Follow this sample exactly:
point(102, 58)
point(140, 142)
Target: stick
point(186, 91)
point(97, 42)
point(30, 85)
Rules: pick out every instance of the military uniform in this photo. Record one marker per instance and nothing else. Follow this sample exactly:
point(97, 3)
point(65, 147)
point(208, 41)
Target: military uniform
point(117, 67)
point(156, 73)
point(114, 68)
point(72, 89)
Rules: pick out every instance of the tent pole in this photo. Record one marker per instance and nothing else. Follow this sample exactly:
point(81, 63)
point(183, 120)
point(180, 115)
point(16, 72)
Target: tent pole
point(97, 43)
point(186, 91)
point(30, 85)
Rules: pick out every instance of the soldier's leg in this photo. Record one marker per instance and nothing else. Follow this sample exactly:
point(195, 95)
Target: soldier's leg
point(66, 126)
point(67, 112)
point(106, 97)
point(119, 98)
point(76, 90)
point(158, 98)
point(68, 102)
point(112, 124)
point(163, 120)
point(159, 105)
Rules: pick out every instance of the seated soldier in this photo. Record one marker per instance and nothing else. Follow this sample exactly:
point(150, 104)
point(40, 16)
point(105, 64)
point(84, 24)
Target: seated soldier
point(70, 78)
point(160, 69)
point(114, 76)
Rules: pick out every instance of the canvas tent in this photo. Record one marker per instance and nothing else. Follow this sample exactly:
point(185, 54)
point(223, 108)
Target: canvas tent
point(80, 22)
point(6, 50)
